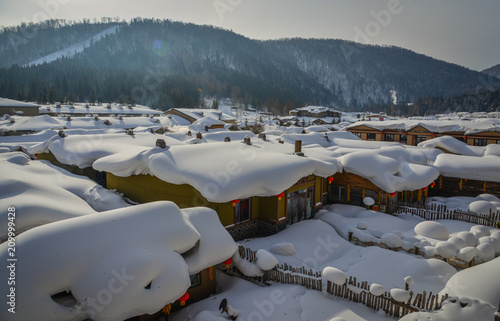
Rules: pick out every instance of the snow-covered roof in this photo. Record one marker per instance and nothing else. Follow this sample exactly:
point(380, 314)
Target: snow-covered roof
point(455, 146)
point(198, 113)
point(43, 122)
point(119, 251)
point(32, 186)
point(229, 171)
point(437, 126)
point(82, 108)
point(5, 102)
point(485, 168)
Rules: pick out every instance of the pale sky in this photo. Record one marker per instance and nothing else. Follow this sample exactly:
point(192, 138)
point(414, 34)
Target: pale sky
point(464, 32)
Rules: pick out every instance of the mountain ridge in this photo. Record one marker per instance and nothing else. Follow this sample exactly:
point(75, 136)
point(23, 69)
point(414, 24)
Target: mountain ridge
point(221, 63)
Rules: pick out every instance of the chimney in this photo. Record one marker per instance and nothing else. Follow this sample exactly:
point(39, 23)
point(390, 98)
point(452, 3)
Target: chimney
point(161, 143)
point(298, 146)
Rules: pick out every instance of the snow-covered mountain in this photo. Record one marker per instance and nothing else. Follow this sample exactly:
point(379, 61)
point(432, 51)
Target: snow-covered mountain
point(143, 53)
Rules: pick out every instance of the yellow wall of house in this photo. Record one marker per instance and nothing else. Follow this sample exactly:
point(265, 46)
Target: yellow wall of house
point(88, 172)
point(269, 207)
point(148, 188)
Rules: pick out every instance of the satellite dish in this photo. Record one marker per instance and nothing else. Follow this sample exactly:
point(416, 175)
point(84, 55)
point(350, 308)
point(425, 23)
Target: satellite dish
point(223, 305)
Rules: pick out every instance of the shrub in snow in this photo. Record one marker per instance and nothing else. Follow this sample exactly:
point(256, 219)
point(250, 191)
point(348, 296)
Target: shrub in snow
point(334, 275)
point(265, 260)
point(398, 233)
point(468, 237)
point(363, 236)
point(362, 225)
point(283, 249)
point(446, 249)
point(467, 253)
point(432, 229)
point(391, 240)
point(480, 231)
point(496, 245)
point(400, 295)
point(485, 253)
point(429, 251)
point(487, 197)
point(482, 207)
point(377, 289)
point(407, 246)
point(458, 242)
point(368, 201)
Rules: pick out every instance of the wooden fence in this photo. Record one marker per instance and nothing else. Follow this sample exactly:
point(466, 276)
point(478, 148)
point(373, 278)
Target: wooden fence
point(454, 261)
point(352, 290)
point(359, 292)
point(440, 212)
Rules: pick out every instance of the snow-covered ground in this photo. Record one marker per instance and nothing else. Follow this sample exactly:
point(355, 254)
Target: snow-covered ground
point(59, 214)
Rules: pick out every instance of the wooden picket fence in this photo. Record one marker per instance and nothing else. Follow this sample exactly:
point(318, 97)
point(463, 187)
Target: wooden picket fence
point(440, 212)
point(359, 292)
point(285, 273)
point(352, 290)
point(454, 261)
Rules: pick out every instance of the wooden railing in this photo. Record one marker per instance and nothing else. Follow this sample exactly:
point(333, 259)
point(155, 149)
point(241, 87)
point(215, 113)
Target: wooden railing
point(359, 292)
point(440, 212)
point(352, 290)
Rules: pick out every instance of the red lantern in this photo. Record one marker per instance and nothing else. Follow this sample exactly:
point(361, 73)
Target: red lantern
point(280, 195)
point(425, 188)
point(235, 202)
point(432, 135)
point(330, 179)
point(465, 137)
point(227, 263)
point(183, 299)
point(406, 133)
point(381, 133)
point(393, 194)
point(433, 184)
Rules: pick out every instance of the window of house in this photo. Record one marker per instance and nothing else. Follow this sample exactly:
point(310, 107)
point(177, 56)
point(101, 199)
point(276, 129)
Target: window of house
point(337, 193)
point(498, 141)
point(357, 134)
point(403, 138)
point(420, 138)
point(370, 136)
point(479, 142)
point(242, 211)
point(195, 279)
point(389, 137)
point(460, 138)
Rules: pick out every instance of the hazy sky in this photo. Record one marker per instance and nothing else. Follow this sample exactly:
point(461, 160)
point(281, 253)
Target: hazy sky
point(464, 32)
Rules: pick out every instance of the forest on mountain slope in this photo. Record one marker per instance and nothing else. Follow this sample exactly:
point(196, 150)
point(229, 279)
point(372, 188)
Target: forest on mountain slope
point(168, 64)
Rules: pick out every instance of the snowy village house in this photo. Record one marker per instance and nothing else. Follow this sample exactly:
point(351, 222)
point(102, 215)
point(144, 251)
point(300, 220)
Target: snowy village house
point(477, 132)
point(256, 188)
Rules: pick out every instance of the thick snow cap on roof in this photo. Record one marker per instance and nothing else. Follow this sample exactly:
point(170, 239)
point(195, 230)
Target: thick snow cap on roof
point(43, 193)
point(5, 102)
point(453, 145)
point(485, 168)
point(83, 150)
point(107, 260)
point(392, 169)
point(228, 171)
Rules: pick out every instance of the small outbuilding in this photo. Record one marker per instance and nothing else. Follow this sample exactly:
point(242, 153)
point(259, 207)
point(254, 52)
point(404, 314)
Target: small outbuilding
point(15, 107)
